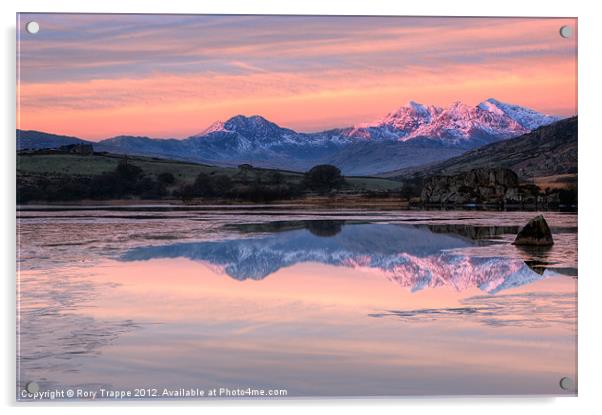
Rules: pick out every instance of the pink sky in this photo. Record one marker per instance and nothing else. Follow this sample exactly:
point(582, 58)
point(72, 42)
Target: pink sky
point(172, 76)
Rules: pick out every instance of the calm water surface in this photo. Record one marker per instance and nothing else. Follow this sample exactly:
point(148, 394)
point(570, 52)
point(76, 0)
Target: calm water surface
point(318, 302)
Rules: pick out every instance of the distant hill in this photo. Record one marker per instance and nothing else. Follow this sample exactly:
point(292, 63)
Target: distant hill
point(35, 140)
point(547, 151)
point(371, 157)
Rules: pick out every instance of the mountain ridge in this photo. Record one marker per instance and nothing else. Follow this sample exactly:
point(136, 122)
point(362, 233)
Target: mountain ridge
point(409, 136)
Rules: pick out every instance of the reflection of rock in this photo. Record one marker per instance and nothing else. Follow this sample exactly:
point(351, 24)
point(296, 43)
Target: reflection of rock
point(537, 266)
point(536, 254)
point(411, 256)
point(536, 232)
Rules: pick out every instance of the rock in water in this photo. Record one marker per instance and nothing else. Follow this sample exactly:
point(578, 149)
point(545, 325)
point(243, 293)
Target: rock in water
point(536, 232)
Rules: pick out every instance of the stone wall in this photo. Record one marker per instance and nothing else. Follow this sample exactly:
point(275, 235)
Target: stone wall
point(83, 149)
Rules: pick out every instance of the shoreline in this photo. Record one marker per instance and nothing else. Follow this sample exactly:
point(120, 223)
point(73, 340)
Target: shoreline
point(336, 202)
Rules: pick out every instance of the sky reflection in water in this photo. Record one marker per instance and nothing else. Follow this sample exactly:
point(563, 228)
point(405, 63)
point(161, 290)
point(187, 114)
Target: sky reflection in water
point(318, 307)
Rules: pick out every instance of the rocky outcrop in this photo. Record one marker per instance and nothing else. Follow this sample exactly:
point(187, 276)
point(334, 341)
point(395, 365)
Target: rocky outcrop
point(535, 233)
point(475, 186)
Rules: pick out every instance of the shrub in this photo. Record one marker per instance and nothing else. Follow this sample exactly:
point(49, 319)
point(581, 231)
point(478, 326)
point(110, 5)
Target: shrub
point(324, 178)
point(221, 185)
point(202, 186)
point(166, 178)
point(128, 171)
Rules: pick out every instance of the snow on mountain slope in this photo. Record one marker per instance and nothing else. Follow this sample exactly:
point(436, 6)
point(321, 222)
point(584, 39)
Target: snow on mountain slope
point(254, 126)
point(460, 122)
point(457, 124)
point(526, 117)
point(397, 124)
point(258, 132)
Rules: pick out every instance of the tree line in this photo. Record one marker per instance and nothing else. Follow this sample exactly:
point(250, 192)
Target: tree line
point(130, 181)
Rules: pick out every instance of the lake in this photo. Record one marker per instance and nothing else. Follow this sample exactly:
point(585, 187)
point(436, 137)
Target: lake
point(178, 301)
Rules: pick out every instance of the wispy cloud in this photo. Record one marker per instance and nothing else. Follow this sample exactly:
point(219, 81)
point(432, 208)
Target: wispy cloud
point(305, 72)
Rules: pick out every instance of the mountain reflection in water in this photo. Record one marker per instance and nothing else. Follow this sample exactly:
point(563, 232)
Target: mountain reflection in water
point(415, 257)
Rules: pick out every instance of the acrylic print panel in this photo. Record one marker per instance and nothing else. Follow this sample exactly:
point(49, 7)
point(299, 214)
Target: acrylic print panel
point(225, 207)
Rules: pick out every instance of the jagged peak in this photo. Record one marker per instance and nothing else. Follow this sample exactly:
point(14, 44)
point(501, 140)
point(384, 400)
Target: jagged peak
point(257, 119)
point(459, 105)
point(411, 107)
point(416, 105)
point(237, 123)
point(242, 123)
point(494, 101)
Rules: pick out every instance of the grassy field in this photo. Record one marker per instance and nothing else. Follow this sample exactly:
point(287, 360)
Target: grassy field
point(184, 172)
point(73, 164)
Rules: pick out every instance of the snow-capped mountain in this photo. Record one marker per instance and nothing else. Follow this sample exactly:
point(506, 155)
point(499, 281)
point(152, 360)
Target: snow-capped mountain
point(254, 127)
point(397, 125)
point(457, 124)
point(412, 135)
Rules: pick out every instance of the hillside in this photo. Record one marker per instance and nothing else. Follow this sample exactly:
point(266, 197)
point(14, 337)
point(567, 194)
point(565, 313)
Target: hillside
point(547, 151)
point(36, 140)
point(77, 165)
